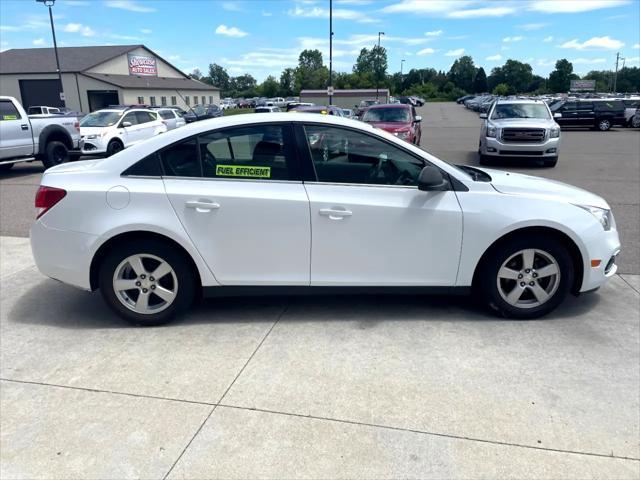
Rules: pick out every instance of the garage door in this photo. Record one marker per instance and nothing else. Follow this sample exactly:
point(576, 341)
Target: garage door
point(40, 92)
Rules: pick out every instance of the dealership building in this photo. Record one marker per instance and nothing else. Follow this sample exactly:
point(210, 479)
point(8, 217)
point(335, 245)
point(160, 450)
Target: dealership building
point(95, 77)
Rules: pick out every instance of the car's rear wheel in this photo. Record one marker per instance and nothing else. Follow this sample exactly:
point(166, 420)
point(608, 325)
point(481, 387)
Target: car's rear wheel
point(604, 125)
point(147, 283)
point(526, 277)
point(55, 154)
point(635, 121)
point(114, 147)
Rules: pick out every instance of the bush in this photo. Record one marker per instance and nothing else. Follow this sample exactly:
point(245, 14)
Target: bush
point(501, 89)
point(237, 111)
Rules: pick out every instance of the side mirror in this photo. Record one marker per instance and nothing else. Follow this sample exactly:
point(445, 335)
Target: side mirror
point(431, 179)
point(126, 124)
point(557, 115)
point(483, 115)
point(418, 119)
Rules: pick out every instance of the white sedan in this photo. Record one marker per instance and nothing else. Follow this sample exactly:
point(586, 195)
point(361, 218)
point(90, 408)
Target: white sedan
point(280, 203)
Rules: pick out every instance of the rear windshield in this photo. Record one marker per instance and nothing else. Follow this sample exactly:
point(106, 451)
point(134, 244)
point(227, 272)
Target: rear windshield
point(100, 119)
point(520, 110)
point(387, 115)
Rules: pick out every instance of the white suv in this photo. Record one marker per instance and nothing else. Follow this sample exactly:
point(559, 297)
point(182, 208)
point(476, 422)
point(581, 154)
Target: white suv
point(105, 132)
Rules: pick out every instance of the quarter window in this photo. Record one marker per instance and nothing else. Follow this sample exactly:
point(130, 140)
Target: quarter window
point(253, 153)
point(145, 117)
point(346, 156)
point(181, 159)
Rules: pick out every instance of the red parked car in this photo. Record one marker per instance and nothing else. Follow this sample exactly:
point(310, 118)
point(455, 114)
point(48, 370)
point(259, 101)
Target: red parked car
point(398, 119)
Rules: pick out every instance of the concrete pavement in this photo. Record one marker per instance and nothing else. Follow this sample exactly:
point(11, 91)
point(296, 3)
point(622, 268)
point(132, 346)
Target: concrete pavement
point(349, 387)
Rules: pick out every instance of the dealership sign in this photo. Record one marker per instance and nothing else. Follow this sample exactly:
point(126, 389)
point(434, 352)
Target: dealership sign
point(585, 85)
point(141, 65)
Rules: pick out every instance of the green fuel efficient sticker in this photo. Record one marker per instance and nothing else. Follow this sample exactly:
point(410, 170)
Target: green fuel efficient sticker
point(242, 171)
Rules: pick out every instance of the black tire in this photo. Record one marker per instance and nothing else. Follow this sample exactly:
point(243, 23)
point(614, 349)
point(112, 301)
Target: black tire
point(185, 287)
point(5, 167)
point(603, 124)
point(114, 147)
point(487, 281)
point(55, 154)
point(550, 162)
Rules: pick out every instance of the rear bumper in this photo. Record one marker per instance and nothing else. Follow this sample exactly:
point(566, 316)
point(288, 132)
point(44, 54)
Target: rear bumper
point(495, 147)
point(62, 255)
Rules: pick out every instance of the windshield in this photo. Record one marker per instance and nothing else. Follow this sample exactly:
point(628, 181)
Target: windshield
point(520, 110)
point(100, 119)
point(387, 115)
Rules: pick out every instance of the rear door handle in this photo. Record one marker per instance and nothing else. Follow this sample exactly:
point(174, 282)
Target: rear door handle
point(24, 127)
point(334, 214)
point(202, 206)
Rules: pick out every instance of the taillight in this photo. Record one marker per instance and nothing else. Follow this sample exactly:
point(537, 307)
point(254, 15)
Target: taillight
point(47, 197)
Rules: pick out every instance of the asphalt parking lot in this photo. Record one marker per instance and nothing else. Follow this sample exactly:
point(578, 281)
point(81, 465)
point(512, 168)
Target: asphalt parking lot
point(323, 387)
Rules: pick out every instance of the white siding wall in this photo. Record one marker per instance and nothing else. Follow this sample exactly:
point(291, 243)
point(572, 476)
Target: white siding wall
point(130, 96)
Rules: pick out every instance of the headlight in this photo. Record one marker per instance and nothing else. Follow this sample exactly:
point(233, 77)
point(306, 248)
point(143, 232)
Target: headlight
point(491, 131)
point(554, 132)
point(402, 135)
point(602, 215)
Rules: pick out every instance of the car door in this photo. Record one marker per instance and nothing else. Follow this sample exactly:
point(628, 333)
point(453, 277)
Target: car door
point(569, 113)
point(16, 138)
point(130, 135)
point(238, 192)
point(370, 224)
point(147, 124)
point(586, 113)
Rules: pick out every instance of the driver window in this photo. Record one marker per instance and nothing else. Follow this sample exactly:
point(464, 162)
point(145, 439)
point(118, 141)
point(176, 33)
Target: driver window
point(346, 156)
point(129, 117)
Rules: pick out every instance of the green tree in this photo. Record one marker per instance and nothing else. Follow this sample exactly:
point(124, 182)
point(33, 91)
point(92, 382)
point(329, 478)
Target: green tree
point(560, 78)
point(501, 89)
point(480, 81)
point(603, 78)
point(310, 72)
point(517, 75)
point(243, 86)
point(270, 87)
point(310, 59)
point(287, 82)
point(462, 73)
point(219, 78)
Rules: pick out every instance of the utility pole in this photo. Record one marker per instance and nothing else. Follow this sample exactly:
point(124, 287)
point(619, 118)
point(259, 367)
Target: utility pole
point(615, 77)
point(50, 3)
point(401, 65)
point(378, 68)
point(330, 89)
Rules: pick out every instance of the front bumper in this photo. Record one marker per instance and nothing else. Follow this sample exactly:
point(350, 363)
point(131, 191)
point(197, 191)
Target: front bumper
point(62, 255)
point(497, 148)
point(92, 146)
point(604, 247)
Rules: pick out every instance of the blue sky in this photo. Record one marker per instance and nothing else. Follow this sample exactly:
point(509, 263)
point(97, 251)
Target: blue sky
point(262, 37)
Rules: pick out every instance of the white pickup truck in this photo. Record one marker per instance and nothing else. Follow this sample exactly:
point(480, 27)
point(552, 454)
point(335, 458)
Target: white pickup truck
point(38, 137)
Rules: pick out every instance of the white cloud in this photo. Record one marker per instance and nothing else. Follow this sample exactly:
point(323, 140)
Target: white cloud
point(512, 39)
point(146, 31)
point(494, 58)
point(532, 26)
point(573, 6)
point(38, 42)
point(440, 7)
point(124, 37)
point(129, 5)
point(84, 30)
point(482, 12)
point(230, 31)
point(8, 28)
point(454, 53)
point(426, 51)
point(266, 14)
point(338, 13)
point(595, 43)
point(435, 33)
point(636, 46)
point(231, 6)
point(587, 61)
point(548, 39)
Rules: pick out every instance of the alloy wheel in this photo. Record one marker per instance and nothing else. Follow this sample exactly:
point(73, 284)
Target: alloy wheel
point(145, 283)
point(528, 278)
point(604, 125)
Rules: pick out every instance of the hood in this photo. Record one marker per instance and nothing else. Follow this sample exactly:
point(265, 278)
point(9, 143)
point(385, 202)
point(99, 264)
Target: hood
point(523, 123)
point(518, 184)
point(84, 131)
point(391, 127)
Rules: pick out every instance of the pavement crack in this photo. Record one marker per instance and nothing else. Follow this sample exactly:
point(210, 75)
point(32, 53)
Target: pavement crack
point(627, 282)
point(424, 432)
point(284, 310)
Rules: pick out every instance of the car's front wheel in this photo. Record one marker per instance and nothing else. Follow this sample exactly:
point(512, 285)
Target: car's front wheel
point(114, 147)
point(147, 282)
point(526, 277)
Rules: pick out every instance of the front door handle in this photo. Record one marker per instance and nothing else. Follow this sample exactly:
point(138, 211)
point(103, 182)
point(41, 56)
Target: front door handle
point(202, 206)
point(334, 214)
point(24, 126)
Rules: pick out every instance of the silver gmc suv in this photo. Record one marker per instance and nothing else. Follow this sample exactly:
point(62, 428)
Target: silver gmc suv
point(519, 128)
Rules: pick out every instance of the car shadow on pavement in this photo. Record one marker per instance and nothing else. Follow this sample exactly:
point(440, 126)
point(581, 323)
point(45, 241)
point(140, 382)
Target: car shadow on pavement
point(54, 304)
point(24, 171)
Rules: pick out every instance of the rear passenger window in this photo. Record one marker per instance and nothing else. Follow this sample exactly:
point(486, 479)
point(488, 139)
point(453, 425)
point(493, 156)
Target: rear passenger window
point(346, 156)
point(181, 159)
point(144, 117)
point(254, 153)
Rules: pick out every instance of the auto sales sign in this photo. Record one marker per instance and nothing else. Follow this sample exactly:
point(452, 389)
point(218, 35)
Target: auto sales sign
point(141, 65)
